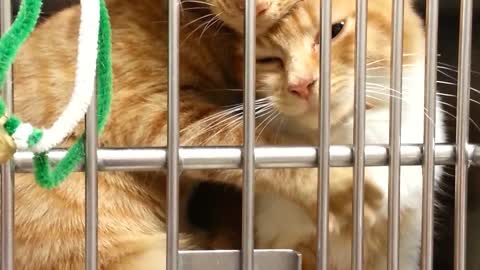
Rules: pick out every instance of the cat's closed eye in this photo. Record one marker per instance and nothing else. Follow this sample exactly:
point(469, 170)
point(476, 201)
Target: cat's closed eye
point(270, 60)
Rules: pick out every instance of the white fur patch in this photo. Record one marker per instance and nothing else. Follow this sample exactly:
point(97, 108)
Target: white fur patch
point(279, 223)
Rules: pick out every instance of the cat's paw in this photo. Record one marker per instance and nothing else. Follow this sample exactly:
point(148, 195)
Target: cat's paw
point(341, 204)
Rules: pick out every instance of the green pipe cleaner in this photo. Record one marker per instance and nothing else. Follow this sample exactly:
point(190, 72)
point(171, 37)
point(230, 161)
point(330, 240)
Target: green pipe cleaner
point(10, 44)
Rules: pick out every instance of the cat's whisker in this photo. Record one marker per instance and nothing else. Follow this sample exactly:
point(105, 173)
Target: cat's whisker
point(197, 19)
point(272, 118)
point(455, 84)
point(386, 95)
point(266, 120)
point(383, 67)
point(207, 128)
point(454, 96)
point(404, 92)
point(235, 122)
point(404, 78)
point(225, 127)
point(446, 95)
point(383, 87)
point(219, 27)
point(227, 115)
point(447, 75)
point(454, 68)
point(425, 110)
point(194, 8)
point(232, 90)
point(218, 115)
point(257, 102)
point(396, 97)
point(194, 30)
point(453, 116)
point(230, 110)
point(198, 2)
point(263, 112)
point(213, 21)
point(385, 59)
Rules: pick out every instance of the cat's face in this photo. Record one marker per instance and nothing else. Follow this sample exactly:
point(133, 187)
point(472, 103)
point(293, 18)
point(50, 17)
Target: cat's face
point(231, 12)
point(288, 60)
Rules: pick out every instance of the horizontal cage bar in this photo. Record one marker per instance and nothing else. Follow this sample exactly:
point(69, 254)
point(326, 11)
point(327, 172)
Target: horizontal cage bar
point(195, 158)
point(278, 259)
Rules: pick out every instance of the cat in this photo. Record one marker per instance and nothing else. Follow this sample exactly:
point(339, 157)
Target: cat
point(287, 75)
point(49, 225)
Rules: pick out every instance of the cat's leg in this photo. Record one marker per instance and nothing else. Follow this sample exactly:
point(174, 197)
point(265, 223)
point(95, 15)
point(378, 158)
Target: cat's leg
point(150, 254)
point(151, 258)
point(341, 200)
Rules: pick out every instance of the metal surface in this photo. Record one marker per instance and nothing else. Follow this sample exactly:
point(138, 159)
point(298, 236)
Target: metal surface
point(248, 199)
point(230, 260)
point(154, 159)
point(429, 134)
point(91, 187)
point(324, 134)
point(395, 134)
point(463, 102)
point(173, 133)
point(7, 170)
point(359, 133)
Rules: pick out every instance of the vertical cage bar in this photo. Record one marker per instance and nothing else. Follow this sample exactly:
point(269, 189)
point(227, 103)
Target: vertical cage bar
point(248, 137)
point(429, 133)
point(8, 184)
point(324, 134)
point(395, 134)
point(91, 187)
point(173, 133)
point(463, 113)
point(359, 133)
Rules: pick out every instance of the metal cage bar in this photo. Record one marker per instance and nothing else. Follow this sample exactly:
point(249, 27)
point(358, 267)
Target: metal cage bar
point(463, 116)
point(429, 134)
point(359, 132)
point(395, 134)
point(8, 179)
point(324, 135)
point(91, 187)
point(173, 134)
point(248, 198)
point(195, 158)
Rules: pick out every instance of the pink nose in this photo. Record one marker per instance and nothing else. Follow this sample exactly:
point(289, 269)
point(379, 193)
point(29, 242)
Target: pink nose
point(261, 6)
point(303, 88)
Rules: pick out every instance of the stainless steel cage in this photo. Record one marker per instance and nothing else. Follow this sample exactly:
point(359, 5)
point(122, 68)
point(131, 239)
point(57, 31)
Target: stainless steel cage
point(248, 157)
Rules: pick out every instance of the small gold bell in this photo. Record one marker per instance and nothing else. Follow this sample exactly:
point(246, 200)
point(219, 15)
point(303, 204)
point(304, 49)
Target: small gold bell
point(7, 145)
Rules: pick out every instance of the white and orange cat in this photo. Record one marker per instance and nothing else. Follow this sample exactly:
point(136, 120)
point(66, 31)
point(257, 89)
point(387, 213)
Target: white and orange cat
point(287, 75)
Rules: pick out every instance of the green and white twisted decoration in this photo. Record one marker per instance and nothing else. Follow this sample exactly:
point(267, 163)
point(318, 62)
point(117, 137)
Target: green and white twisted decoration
point(94, 30)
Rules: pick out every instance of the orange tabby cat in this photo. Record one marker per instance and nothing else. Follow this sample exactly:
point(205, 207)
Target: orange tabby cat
point(287, 75)
point(49, 225)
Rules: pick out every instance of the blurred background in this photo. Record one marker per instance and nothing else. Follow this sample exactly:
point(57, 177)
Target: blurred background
point(448, 44)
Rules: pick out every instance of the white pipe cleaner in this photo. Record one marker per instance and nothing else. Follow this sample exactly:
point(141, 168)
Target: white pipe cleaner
point(83, 89)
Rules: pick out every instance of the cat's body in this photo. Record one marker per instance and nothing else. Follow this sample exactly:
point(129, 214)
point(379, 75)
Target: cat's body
point(287, 71)
point(49, 224)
